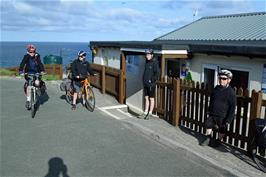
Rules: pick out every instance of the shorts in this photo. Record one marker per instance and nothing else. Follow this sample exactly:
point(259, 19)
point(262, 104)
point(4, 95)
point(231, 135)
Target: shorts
point(149, 91)
point(213, 121)
point(76, 86)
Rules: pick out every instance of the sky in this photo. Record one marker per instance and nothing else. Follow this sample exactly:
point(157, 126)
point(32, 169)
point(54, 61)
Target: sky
point(108, 20)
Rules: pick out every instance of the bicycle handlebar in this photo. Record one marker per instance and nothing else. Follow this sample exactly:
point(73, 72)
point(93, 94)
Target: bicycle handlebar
point(84, 77)
point(36, 74)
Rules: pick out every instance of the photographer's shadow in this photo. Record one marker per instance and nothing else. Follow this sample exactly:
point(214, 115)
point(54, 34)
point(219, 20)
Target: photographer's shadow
point(57, 168)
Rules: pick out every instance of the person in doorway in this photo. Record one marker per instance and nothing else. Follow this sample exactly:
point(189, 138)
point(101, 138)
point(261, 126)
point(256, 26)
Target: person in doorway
point(80, 69)
point(31, 64)
point(185, 73)
point(150, 76)
point(221, 109)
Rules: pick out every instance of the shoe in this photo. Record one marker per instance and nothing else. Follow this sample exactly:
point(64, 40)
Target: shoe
point(206, 141)
point(142, 116)
point(27, 105)
point(73, 107)
point(147, 117)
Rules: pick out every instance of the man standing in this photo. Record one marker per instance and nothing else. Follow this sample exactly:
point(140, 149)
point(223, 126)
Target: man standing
point(221, 109)
point(150, 76)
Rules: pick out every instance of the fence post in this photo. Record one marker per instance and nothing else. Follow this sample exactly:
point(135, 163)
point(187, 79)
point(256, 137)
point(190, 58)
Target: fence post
point(255, 111)
point(54, 70)
point(61, 72)
point(176, 102)
point(103, 79)
point(121, 87)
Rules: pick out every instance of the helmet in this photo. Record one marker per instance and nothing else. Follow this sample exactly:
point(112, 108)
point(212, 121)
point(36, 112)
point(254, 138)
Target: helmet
point(148, 51)
point(82, 53)
point(31, 48)
point(225, 72)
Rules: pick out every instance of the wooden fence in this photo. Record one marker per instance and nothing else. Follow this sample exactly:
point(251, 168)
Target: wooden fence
point(186, 104)
point(51, 69)
point(109, 80)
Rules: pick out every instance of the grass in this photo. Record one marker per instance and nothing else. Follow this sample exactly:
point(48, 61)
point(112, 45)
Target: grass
point(49, 77)
point(6, 72)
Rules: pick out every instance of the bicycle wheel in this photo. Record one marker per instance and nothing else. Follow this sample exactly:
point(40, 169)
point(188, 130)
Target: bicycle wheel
point(69, 95)
point(90, 99)
point(32, 103)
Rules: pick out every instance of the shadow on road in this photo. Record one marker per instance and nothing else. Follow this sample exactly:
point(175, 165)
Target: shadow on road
point(44, 98)
point(224, 148)
point(56, 167)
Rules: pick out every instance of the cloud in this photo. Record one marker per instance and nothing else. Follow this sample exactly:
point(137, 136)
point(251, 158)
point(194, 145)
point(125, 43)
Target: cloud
point(22, 7)
point(214, 7)
point(128, 18)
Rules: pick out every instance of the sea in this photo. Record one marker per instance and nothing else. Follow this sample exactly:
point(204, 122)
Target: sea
point(11, 53)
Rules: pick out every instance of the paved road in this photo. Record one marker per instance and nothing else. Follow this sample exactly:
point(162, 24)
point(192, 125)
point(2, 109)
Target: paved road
point(88, 144)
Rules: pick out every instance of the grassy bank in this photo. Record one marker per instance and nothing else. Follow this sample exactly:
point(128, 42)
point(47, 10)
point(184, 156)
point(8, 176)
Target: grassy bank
point(6, 72)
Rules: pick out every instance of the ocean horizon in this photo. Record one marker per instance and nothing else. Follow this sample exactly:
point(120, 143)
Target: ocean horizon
point(12, 52)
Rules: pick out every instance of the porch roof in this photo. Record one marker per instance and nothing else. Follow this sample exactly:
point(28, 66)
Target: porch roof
point(242, 48)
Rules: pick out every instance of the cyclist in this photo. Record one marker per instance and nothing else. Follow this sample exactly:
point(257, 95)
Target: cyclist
point(80, 69)
point(222, 108)
point(31, 64)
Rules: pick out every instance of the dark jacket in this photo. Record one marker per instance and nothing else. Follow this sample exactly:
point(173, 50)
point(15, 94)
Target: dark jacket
point(223, 103)
point(81, 68)
point(151, 73)
point(31, 64)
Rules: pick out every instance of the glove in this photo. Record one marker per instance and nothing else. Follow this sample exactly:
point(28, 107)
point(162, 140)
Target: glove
point(225, 125)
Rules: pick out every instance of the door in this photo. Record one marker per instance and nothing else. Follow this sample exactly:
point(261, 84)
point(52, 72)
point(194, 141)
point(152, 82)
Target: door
point(173, 68)
point(209, 75)
point(134, 85)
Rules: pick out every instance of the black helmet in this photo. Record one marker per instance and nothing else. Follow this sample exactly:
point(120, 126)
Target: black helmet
point(225, 72)
point(148, 51)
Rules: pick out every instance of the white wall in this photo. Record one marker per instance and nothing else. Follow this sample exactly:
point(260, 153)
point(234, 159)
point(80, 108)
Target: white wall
point(108, 57)
point(254, 66)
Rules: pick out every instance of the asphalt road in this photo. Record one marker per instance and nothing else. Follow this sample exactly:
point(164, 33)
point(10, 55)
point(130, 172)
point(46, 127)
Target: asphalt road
point(84, 143)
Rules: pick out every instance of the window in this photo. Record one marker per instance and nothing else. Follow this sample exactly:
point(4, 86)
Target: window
point(210, 76)
point(240, 78)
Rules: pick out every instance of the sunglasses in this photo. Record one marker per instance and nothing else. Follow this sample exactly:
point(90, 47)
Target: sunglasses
point(223, 78)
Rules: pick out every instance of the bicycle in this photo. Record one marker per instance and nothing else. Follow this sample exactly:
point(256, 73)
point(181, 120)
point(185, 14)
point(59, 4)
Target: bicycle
point(86, 93)
point(35, 92)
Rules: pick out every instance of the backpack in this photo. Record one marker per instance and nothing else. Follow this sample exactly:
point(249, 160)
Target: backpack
point(69, 71)
point(65, 84)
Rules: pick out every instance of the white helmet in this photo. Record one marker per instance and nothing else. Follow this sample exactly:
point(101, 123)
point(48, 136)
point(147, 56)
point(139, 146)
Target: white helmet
point(225, 72)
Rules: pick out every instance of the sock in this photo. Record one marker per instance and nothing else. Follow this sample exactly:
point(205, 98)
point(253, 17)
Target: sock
point(28, 98)
point(150, 112)
point(146, 112)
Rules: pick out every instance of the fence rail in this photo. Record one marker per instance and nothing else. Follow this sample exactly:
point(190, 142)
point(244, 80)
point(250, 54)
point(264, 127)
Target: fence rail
point(109, 80)
point(186, 104)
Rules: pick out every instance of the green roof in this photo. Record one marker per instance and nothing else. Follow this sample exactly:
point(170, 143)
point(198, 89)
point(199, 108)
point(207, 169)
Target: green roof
point(236, 27)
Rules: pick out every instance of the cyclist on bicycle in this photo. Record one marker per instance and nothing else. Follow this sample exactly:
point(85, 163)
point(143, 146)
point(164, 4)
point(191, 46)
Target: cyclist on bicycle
point(31, 64)
point(80, 69)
